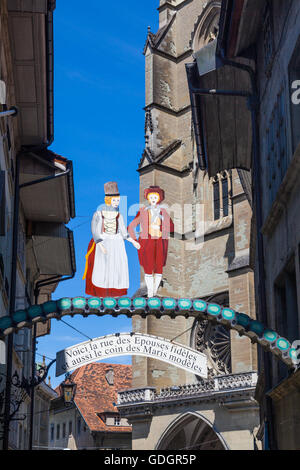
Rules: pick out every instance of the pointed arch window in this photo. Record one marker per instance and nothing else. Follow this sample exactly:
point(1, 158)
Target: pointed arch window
point(221, 195)
point(207, 25)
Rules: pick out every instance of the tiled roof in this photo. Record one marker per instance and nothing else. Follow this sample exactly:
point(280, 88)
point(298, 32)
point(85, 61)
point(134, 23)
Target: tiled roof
point(95, 396)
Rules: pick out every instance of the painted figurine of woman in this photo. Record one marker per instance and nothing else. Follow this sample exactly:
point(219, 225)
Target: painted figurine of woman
point(106, 270)
point(155, 228)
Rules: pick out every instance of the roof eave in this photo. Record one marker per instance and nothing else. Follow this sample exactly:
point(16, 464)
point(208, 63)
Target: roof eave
point(239, 25)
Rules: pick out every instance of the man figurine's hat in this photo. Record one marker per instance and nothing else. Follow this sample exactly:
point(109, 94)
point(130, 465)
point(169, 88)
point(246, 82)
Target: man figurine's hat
point(155, 189)
point(111, 189)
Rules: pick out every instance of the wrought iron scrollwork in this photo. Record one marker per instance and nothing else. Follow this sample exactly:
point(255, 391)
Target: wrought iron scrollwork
point(21, 390)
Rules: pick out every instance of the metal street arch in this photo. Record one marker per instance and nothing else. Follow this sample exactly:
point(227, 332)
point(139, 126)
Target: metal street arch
point(197, 308)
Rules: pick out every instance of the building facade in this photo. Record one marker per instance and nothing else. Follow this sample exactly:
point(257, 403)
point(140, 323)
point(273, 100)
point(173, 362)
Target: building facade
point(43, 395)
point(36, 201)
point(92, 422)
point(208, 257)
point(264, 38)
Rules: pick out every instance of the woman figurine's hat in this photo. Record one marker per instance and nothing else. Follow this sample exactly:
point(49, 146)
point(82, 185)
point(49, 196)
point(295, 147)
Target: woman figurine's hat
point(155, 189)
point(111, 189)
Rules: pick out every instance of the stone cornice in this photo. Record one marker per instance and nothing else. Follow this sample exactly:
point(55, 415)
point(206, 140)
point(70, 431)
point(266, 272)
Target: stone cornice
point(166, 169)
point(175, 59)
point(174, 112)
point(162, 156)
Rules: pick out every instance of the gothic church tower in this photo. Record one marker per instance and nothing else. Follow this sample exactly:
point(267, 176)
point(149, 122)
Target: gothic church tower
point(195, 268)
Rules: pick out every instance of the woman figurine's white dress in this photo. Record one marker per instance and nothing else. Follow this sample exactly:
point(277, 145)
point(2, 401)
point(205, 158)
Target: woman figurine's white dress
point(107, 264)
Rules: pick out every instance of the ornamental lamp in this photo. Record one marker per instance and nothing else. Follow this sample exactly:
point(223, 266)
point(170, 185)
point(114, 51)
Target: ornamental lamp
point(68, 389)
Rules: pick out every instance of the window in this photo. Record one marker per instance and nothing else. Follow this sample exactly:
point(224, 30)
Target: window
point(225, 196)
point(217, 209)
point(117, 420)
point(221, 195)
point(64, 430)
point(276, 141)
point(70, 428)
point(268, 37)
point(52, 432)
point(57, 431)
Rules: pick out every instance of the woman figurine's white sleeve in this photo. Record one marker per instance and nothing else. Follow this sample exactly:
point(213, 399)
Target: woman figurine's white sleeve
point(97, 227)
point(122, 228)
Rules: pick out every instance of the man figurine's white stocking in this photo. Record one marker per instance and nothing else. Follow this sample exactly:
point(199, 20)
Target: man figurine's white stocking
point(149, 285)
point(157, 281)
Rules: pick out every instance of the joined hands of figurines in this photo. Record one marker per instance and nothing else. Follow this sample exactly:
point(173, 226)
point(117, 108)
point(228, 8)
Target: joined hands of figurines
point(135, 244)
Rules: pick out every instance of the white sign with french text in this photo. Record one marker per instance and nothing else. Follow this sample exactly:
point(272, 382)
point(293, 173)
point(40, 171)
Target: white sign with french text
point(131, 344)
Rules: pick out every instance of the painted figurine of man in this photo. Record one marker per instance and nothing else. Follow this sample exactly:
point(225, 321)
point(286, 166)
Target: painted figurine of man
point(106, 270)
point(155, 229)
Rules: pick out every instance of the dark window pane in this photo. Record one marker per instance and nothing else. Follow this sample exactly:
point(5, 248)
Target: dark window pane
point(8, 137)
point(216, 201)
point(225, 196)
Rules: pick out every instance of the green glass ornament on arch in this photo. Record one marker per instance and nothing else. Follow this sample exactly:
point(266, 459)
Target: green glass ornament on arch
point(139, 303)
point(185, 304)
point(124, 302)
point(94, 303)
point(214, 309)
point(154, 303)
point(109, 302)
point(169, 303)
point(79, 303)
point(199, 305)
point(64, 303)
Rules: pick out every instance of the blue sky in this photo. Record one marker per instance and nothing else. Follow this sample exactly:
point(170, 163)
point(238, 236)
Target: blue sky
point(99, 93)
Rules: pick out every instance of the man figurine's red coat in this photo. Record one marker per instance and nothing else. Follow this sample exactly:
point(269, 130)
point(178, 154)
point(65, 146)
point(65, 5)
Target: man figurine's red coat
point(154, 244)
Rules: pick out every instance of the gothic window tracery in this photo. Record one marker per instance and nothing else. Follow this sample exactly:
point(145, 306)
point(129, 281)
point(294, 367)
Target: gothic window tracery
point(214, 341)
point(221, 189)
point(207, 26)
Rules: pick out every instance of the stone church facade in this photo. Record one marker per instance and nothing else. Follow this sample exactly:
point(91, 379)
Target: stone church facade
point(208, 258)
